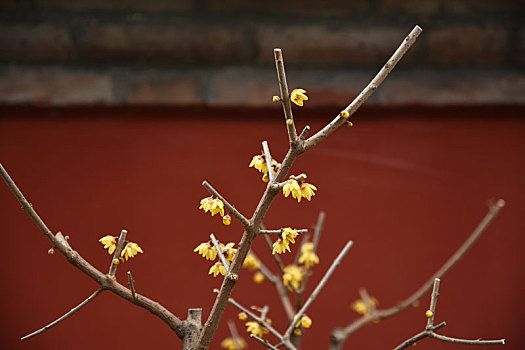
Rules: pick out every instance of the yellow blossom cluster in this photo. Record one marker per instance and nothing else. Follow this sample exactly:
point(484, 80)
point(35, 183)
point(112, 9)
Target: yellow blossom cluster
point(283, 243)
point(308, 256)
point(213, 205)
point(129, 251)
point(293, 276)
point(298, 96)
point(207, 250)
point(255, 329)
point(234, 344)
point(259, 163)
point(299, 190)
point(363, 308)
point(251, 262)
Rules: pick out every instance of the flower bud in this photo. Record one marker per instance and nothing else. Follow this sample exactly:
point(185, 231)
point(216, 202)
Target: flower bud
point(116, 261)
point(429, 313)
point(344, 114)
point(276, 99)
point(242, 316)
point(227, 219)
point(258, 277)
point(51, 251)
point(289, 121)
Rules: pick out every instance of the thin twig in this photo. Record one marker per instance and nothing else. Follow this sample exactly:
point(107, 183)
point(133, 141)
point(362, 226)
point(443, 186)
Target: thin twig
point(433, 303)
point(219, 251)
point(318, 288)
point(305, 132)
point(367, 91)
point(116, 255)
point(245, 222)
point(263, 342)
point(131, 284)
point(340, 335)
point(276, 257)
point(268, 158)
point(285, 95)
point(279, 231)
point(467, 341)
point(71, 312)
point(419, 336)
point(235, 334)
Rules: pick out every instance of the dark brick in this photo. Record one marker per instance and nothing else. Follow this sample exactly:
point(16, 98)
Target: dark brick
point(520, 50)
point(467, 45)
point(332, 8)
point(152, 44)
point(53, 87)
point(105, 5)
point(175, 91)
point(319, 45)
point(34, 43)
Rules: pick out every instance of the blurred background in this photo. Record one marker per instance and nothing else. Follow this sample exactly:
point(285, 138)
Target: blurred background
point(112, 113)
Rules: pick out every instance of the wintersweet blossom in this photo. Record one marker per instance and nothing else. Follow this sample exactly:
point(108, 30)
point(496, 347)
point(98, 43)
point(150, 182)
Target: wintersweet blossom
point(255, 329)
point(217, 268)
point(228, 251)
point(363, 308)
point(242, 316)
point(231, 344)
point(259, 163)
point(213, 205)
point(281, 246)
point(304, 322)
point(207, 250)
point(227, 219)
point(251, 262)
point(308, 256)
point(293, 276)
point(293, 187)
point(289, 234)
point(298, 96)
point(109, 242)
point(130, 250)
point(307, 190)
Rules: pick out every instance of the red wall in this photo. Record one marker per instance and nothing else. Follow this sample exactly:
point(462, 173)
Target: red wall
point(407, 186)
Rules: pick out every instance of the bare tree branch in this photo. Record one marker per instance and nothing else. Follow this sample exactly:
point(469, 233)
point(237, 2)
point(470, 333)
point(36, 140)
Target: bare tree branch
point(368, 90)
point(263, 342)
point(340, 335)
point(268, 158)
point(131, 284)
point(116, 255)
point(230, 207)
point(285, 95)
point(71, 312)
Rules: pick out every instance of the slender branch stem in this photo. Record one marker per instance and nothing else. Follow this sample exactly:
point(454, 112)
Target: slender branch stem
point(467, 341)
point(276, 257)
point(131, 284)
point(278, 232)
point(433, 303)
point(245, 222)
point(268, 158)
point(367, 91)
point(116, 255)
point(71, 312)
point(235, 334)
point(340, 335)
point(419, 336)
point(318, 288)
point(285, 95)
point(219, 251)
point(305, 132)
point(263, 342)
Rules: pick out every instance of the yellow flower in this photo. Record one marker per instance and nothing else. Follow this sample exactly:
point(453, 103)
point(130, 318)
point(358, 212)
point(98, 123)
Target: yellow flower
point(109, 242)
point(217, 268)
point(206, 250)
point(130, 250)
point(259, 163)
point(298, 96)
point(308, 257)
point(292, 186)
point(289, 234)
point(227, 219)
point(258, 277)
point(242, 316)
point(292, 277)
point(281, 246)
point(297, 332)
point(228, 251)
point(231, 344)
point(214, 205)
point(251, 262)
point(344, 114)
point(305, 322)
point(361, 307)
point(256, 329)
point(307, 190)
